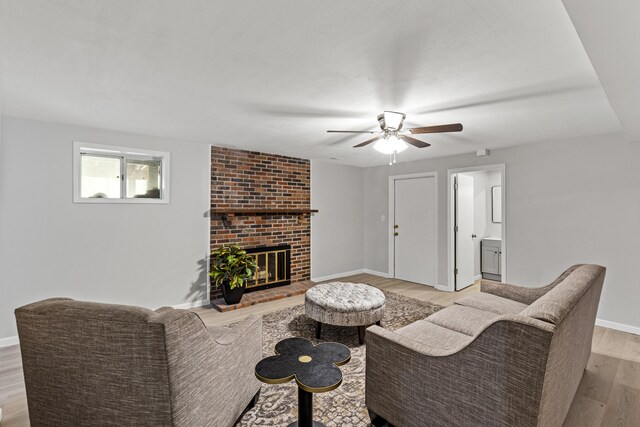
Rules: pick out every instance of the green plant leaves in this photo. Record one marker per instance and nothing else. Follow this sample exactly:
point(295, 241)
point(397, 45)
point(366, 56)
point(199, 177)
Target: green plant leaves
point(231, 264)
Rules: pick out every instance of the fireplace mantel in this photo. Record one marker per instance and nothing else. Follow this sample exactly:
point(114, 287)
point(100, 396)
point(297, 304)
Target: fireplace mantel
point(227, 212)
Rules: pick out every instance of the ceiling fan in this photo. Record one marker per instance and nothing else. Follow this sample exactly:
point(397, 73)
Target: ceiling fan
point(392, 139)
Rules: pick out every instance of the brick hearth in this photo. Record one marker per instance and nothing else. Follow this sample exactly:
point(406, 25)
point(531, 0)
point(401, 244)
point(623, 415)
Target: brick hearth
point(252, 180)
point(265, 295)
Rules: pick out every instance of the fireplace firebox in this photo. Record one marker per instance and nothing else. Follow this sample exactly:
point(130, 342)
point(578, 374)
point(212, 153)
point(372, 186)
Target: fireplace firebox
point(274, 267)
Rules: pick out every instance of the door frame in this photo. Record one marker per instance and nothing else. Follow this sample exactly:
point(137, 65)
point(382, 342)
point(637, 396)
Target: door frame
point(391, 218)
point(451, 220)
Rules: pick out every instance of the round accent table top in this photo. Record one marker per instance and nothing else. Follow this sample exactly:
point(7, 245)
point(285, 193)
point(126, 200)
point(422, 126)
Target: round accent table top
point(314, 367)
point(345, 297)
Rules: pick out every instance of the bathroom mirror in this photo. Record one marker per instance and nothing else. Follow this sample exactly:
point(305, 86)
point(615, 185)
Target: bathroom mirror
point(496, 204)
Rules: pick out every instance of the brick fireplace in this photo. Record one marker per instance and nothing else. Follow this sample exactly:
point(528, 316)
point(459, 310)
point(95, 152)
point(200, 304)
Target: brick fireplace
point(265, 199)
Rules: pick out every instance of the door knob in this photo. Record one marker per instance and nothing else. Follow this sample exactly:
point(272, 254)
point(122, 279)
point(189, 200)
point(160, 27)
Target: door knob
point(473, 236)
point(395, 226)
point(395, 234)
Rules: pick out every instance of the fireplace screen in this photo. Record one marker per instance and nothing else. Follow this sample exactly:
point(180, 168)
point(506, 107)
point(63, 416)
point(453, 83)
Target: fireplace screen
point(274, 267)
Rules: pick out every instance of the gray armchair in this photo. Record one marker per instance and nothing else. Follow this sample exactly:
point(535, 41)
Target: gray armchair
point(90, 364)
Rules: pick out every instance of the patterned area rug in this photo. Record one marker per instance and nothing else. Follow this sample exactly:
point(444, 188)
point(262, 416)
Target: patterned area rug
point(343, 407)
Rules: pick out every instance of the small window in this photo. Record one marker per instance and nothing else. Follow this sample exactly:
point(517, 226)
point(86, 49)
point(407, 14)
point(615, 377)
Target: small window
point(106, 174)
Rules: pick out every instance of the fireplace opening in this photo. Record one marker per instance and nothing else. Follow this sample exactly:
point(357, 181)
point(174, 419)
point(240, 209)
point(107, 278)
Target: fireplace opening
point(274, 267)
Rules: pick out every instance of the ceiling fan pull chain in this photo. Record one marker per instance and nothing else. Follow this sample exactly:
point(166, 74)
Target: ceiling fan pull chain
point(394, 157)
point(390, 159)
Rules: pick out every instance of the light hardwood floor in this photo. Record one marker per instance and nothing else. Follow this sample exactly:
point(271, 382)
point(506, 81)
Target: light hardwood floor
point(609, 394)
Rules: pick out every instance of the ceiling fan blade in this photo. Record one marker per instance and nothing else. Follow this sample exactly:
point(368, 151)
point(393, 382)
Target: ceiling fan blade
point(367, 142)
point(415, 142)
point(351, 131)
point(454, 127)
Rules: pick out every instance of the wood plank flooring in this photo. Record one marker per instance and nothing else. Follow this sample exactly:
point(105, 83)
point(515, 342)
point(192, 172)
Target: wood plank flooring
point(609, 394)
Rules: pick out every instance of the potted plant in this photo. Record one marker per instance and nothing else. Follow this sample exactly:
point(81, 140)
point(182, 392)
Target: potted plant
point(230, 269)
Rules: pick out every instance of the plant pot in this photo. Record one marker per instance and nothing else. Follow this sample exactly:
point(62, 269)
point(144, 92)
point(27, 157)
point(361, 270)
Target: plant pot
point(232, 296)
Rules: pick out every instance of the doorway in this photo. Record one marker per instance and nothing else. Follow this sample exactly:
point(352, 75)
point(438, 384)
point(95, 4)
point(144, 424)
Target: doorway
point(413, 228)
point(477, 225)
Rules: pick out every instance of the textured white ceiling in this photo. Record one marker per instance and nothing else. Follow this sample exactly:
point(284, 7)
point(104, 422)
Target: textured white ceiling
point(274, 75)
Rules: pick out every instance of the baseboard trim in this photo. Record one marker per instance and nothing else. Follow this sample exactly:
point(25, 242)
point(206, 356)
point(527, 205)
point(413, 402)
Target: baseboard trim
point(376, 273)
point(9, 341)
point(337, 275)
point(192, 304)
point(618, 326)
point(478, 277)
point(349, 273)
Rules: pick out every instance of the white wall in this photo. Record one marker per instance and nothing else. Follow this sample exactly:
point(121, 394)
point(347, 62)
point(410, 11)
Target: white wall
point(337, 238)
point(567, 202)
point(142, 254)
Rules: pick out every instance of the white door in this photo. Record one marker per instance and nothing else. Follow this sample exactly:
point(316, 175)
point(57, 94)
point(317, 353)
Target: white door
point(415, 225)
point(465, 249)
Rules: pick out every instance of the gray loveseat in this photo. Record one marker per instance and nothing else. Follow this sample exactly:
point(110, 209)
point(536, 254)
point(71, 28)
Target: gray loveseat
point(507, 356)
point(90, 364)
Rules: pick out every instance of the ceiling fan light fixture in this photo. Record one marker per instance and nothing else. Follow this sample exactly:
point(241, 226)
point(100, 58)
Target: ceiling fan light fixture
point(389, 145)
point(393, 120)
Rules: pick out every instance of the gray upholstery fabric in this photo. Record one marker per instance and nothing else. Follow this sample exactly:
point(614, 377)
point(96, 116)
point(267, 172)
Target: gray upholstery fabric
point(553, 306)
point(345, 304)
point(90, 364)
point(571, 343)
point(521, 293)
point(465, 320)
point(434, 336)
point(516, 370)
point(492, 303)
point(495, 380)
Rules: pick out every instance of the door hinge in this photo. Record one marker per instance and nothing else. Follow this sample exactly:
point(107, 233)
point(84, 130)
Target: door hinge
point(455, 228)
point(455, 271)
point(455, 186)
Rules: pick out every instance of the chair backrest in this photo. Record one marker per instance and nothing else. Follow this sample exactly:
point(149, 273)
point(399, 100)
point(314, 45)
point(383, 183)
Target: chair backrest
point(94, 364)
point(571, 306)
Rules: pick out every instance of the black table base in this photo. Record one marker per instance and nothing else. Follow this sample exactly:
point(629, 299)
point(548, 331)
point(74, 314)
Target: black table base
point(305, 411)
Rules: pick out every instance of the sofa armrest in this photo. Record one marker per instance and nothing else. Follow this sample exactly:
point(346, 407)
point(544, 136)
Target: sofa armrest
point(164, 309)
point(212, 378)
point(408, 343)
point(482, 383)
point(521, 293)
point(225, 335)
point(250, 323)
point(513, 292)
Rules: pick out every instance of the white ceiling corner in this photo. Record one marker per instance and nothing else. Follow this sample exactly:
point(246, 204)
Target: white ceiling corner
point(610, 34)
point(274, 76)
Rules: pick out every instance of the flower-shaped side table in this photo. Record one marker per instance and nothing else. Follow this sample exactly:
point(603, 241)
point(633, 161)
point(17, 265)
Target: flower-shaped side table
point(314, 367)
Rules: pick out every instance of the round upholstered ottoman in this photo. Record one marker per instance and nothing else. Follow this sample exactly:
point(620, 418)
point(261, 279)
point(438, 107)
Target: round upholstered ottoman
point(345, 304)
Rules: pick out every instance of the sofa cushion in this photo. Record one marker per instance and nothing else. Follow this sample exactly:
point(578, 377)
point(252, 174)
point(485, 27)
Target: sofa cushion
point(434, 336)
point(466, 320)
point(492, 303)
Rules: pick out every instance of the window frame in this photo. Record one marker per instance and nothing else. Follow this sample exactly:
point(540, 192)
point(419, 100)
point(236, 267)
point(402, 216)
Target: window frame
point(125, 153)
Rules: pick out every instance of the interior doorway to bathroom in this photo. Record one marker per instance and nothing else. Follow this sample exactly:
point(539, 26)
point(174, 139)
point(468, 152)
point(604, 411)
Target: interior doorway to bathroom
point(477, 225)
